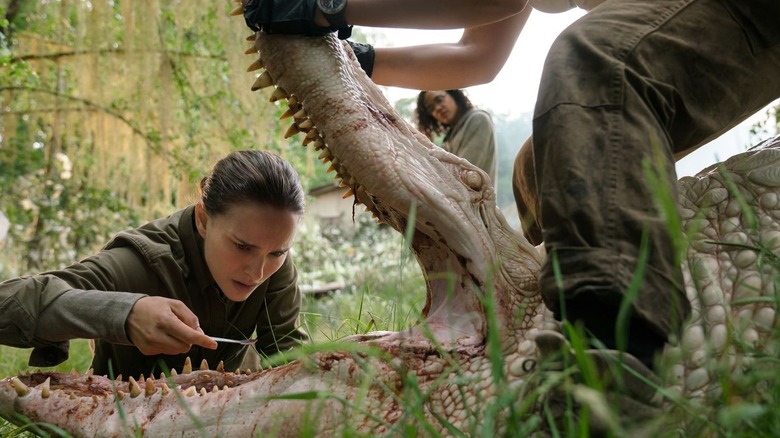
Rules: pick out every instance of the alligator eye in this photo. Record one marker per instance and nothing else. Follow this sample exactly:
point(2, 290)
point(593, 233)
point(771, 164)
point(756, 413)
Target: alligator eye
point(473, 179)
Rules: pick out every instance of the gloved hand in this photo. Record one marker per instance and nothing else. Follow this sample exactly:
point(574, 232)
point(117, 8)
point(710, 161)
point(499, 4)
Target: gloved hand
point(284, 17)
point(365, 56)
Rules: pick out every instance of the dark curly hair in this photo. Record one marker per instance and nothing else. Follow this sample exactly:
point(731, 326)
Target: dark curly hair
point(425, 121)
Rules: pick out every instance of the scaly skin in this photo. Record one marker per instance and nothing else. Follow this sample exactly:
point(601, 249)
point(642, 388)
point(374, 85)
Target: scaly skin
point(438, 376)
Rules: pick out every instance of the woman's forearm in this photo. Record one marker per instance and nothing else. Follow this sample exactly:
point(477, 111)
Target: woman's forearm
point(476, 59)
point(430, 14)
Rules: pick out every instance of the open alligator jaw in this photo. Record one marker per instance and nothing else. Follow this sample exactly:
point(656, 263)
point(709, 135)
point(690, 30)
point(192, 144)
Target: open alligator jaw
point(400, 176)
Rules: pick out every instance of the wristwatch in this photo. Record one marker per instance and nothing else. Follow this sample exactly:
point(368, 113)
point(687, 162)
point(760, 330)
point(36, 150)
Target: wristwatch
point(333, 10)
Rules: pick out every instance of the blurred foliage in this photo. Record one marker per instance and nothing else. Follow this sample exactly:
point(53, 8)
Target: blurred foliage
point(111, 112)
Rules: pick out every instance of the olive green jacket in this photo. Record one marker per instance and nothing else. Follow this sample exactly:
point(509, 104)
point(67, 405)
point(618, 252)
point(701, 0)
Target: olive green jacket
point(92, 299)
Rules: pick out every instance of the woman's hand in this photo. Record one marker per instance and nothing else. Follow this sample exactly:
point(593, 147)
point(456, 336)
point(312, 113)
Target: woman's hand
point(158, 325)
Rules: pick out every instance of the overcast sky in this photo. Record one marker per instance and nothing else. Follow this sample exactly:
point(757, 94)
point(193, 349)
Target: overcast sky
point(513, 92)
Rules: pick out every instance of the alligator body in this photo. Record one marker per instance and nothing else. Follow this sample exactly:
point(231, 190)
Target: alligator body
point(466, 366)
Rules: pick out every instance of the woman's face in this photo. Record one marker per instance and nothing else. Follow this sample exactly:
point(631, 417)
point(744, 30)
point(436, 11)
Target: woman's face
point(441, 106)
point(245, 245)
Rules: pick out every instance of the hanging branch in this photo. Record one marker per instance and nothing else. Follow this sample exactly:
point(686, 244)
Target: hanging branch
point(151, 141)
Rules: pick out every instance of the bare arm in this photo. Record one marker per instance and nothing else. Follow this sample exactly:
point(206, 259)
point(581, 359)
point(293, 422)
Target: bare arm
point(475, 59)
point(430, 14)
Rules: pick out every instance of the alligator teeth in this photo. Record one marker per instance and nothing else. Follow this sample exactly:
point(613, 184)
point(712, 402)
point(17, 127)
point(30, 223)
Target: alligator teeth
point(174, 372)
point(301, 114)
point(187, 368)
point(149, 388)
point(251, 37)
point(239, 10)
point(292, 130)
point(313, 134)
point(287, 114)
point(221, 367)
point(204, 366)
point(120, 394)
point(215, 389)
point(90, 372)
point(45, 388)
point(306, 124)
point(292, 100)
point(203, 391)
point(263, 81)
point(119, 378)
point(251, 51)
point(135, 389)
point(278, 94)
point(141, 378)
point(347, 194)
point(319, 144)
point(20, 388)
point(164, 389)
point(191, 392)
point(324, 155)
point(257, 65)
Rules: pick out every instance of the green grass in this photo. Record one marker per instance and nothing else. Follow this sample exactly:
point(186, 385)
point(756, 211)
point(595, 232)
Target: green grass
point(386, 293)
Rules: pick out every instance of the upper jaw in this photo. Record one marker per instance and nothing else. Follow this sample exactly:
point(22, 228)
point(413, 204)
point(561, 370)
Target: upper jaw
point(397, 173)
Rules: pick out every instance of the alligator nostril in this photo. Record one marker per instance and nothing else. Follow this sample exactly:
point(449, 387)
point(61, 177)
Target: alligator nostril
point(473, 179)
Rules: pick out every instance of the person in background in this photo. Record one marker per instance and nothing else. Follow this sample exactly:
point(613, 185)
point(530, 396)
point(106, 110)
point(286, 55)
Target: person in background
point(626, 90)
point(468, 131)
point(156, 294)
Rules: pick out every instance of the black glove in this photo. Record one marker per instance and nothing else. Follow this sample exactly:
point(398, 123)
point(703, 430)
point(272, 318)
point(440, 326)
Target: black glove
point(365, 56)
point(292, 17)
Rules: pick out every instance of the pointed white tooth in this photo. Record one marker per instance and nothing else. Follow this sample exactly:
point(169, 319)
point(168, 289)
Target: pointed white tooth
point(187, 368)
point(306, 124)
point(204, 365)
point(292, 130)
point(191, 391)
point(263, 81)
point(20, 388)
point(287, 114)
point(135, 388)
point(257, 65)
point(45, 388)
point(149, 389)
point(203, 391)
point(301, 114)
point(221, 367)
point(278, 94)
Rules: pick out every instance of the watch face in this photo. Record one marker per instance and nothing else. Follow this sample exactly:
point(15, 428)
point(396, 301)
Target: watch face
point(331, 7)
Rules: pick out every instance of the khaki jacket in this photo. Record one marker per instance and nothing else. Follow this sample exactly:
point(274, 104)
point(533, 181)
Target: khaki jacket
point(92, 298)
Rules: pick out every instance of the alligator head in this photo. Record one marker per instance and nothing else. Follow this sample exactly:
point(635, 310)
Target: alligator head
point(465, 366)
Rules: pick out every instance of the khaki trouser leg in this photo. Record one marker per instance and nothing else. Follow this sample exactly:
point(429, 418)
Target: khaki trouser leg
point(630, 85)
